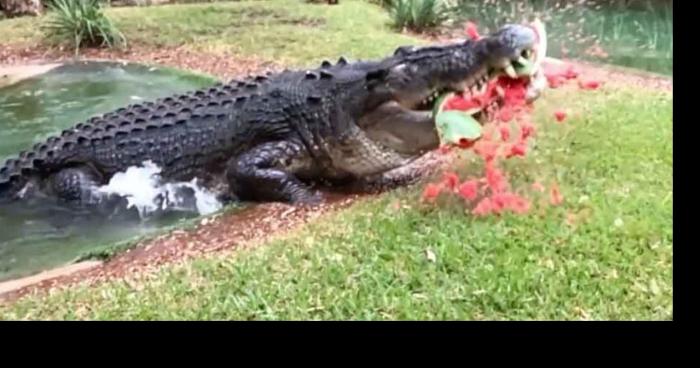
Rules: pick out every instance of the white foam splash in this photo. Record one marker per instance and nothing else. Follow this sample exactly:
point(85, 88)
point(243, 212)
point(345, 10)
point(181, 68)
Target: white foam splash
point(144, 189)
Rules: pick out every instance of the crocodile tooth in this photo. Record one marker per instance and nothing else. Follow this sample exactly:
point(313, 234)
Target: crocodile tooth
point(472, 81)
point(510, 71)
point(500, 91)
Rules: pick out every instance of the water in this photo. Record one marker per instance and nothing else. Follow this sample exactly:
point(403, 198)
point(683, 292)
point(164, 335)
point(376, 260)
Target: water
point(36, 108)
point(144, 191)
point(639, 35)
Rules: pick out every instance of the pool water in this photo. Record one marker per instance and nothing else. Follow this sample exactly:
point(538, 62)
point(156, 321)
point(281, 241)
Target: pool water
point(44, 105)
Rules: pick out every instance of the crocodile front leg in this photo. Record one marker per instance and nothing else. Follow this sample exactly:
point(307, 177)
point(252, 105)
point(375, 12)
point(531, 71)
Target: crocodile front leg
point(267, 173)
point(76, 185)
point(403, 176)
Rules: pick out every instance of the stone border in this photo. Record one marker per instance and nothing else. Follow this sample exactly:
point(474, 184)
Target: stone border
point(17, 284)
point(10, 75)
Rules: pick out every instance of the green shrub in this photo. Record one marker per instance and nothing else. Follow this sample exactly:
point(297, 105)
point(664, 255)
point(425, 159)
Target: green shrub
point(418, 15)
point(81, 23)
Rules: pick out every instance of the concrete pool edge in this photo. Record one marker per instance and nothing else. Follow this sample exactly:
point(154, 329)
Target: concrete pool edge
point(12, 74)
point(17, 284)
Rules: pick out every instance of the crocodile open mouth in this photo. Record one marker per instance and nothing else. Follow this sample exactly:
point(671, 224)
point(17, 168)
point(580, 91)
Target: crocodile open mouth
point(522, 67)
point(475, 88)
point(428, 102)
point(525, 66)
point(478, 85)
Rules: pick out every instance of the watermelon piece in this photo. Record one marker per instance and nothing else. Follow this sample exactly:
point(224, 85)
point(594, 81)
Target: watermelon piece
point(457, 128)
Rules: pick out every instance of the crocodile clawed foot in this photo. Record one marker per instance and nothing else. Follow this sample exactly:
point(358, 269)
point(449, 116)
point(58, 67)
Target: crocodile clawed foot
point(226, 198)
point(306, 199)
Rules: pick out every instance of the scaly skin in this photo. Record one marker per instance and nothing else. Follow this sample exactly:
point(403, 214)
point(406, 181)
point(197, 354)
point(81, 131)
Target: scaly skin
point(268, 135)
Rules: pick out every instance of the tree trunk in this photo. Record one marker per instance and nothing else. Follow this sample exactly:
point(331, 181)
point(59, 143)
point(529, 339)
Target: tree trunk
point(15, 8)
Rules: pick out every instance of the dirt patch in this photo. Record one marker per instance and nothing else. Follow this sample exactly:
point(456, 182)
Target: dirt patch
point(224, 66)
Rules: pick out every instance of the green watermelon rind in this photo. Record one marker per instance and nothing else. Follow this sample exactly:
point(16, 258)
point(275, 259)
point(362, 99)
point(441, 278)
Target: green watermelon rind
point(453, 126)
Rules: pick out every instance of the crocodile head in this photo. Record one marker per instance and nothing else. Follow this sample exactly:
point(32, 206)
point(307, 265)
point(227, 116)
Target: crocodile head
point(417, 76)
point(402, 93)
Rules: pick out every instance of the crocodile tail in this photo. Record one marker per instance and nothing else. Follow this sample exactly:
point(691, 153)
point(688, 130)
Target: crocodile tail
point(17, 171)
point(4, 190)
point(14, 173)
point(8, 181)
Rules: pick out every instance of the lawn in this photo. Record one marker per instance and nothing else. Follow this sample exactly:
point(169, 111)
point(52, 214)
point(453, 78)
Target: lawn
point(287, 31)
point(606, 253)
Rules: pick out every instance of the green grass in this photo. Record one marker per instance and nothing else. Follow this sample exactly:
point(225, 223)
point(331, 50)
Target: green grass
point(287, 31)
point(613, 161)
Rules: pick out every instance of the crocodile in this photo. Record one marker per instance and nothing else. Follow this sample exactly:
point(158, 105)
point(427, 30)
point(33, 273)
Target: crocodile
point(267, 137)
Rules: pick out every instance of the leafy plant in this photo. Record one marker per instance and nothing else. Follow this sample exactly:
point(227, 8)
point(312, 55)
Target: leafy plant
point(82, 23)
point(418, 15)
